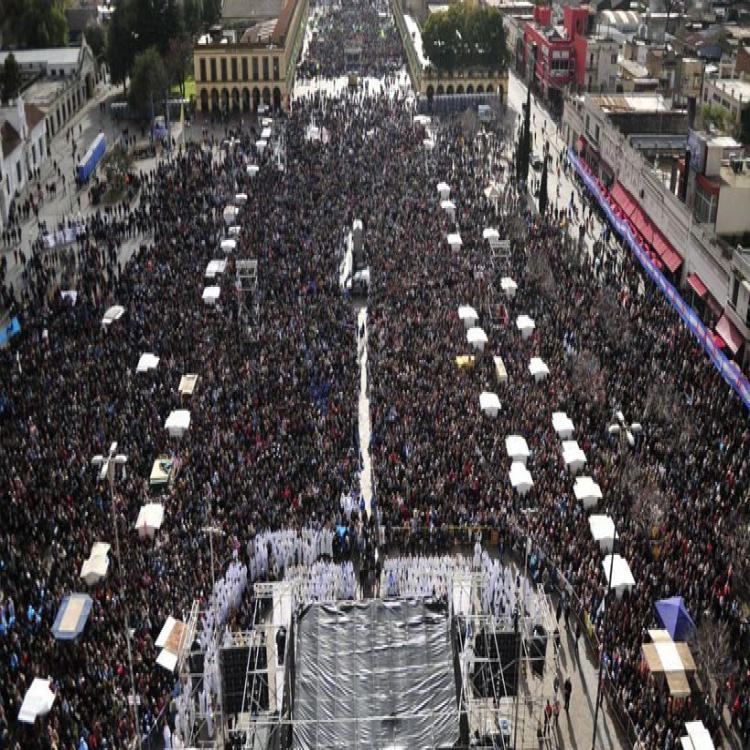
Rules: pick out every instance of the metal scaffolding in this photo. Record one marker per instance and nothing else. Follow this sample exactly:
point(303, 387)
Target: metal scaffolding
point(249, 301)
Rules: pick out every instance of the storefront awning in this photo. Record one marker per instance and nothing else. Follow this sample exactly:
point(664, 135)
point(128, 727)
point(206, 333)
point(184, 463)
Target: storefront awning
point(623, 199)
point(672, 260)
point(643, 225)
point(728, 331)
point(580, 144)
point(695, 283)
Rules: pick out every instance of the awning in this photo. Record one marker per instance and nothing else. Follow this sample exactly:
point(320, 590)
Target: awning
point(580, 144)
point(713, 305)
point(695, 283)
point(672, 260)
point(623, 199)
point(659, 244)
point(641, 222)
point(728, 331)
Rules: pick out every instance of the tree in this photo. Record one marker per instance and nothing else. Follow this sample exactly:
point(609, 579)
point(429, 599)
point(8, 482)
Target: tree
point(524, 143)
point(543, 197)
point(120, 44)
point(192, 11)
point(43, 24)
point(148, 81)
point(96, 39)
point(712, 651)
point(211, 12)
point(11, 77)
point(179, 60)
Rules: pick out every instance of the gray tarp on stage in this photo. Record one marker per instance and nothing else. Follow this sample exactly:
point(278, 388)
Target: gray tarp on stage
point(375, 674)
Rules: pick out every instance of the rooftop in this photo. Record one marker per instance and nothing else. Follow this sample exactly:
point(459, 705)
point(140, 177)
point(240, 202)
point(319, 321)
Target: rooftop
point(735, 180)
point(613, 104)
point(633, 69)
point(9, 138)
point(733, 87)
point(413, 28)
point(260, 33)
point(34, 115)
point(51, 56)
point(45, 91)
point(251, 9)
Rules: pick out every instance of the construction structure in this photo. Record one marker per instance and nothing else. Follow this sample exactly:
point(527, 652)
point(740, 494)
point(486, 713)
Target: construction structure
point(247, 293)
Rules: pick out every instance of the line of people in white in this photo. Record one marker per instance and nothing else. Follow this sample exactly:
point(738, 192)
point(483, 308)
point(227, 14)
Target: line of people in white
point(322, 582)
point(288, 548)
point(417, 576)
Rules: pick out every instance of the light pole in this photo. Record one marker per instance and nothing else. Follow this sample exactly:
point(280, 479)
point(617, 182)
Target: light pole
point(625, 434)
point(107, 466)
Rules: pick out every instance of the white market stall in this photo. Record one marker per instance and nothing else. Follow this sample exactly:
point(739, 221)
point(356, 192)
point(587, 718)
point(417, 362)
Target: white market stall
point(622, 579)
point(178, 423)
point(489, 403)
point(450, 208)
point(37, 702)
point(228, 245)
point(603, 531)
point(150, 519)
point(517, 449)
point(538, 369)
point(492, 236)
point(428, 144)
point(240, 199)
point(697, 737)
point(477, 338)
point(147, 362)
point(562, 425)
point(468, 315)
point(211, 295)
point(520, 478)
point(215, 268)
point(574, 457)
point(454, 240)
point(525, 325)
point(230, 215)
point(444, 190)
point(508, 286)
point(587, 492)
point(112, 314)
point(260, 145)
point(95, 568)
point(252, 170)
point(234, 231)
point(170, 641)
point(187, 384)
point(501, 373)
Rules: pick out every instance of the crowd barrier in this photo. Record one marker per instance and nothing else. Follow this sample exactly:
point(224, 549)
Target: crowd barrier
point(728, 369)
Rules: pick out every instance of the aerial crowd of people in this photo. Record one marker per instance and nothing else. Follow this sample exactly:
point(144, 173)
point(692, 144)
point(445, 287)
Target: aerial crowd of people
point(273, 444)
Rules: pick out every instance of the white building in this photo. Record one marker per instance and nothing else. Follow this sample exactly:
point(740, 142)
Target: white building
point(24, 149)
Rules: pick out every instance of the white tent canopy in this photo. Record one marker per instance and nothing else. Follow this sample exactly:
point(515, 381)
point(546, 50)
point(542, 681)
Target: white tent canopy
point(520, 478)
point(468, 314)
point(260, 145)
point(525, 325)
point(489, 403)
point(170, 640)
point(603, 530)
point(187, 384)
point(622, 578)
point(697, 737)
point(428, 143)
point(508, 286)
point(150, 518)
point(240, 199)
point(147, 362)
point(253, 169)
point(421, 120)
point(517, 449)
point(538, 369)
point(94, 569)
point(265, 134)
point(37, 702)
point(230, 214)
point(574, 457)
point(587, 491)
point(449, 207)
point(454, 240)
point(444, 190)
point(228, 245)
point(214, 268)
point(113, 313)
point(211, 294)
point(234, 230)
point(477, 338)
point(178, 423)
point(562, 425)
point(490, 233)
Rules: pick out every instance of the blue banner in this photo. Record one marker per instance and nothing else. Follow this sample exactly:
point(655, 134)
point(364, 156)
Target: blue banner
point(727, 369)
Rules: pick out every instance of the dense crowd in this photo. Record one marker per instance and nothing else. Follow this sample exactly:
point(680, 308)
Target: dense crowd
point(273, 443)
point(353, 36)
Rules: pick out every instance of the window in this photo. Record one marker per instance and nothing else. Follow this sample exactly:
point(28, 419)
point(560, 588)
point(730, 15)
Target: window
point(747, 314)
point(735, 289)
point(265, 69)
point(18, 171)
point(213, 69)
point(244, 68)
point(223, 68)
point(255, 68)
point(234, 68)
point(588, 123)
point(614, 59)
point(33, 153)
point(596, 134)
point(275, 68)
point(202, 73)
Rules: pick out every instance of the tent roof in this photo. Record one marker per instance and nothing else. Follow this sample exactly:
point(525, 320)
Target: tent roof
point(674, 616)
point(37, 701)
point(71, 617)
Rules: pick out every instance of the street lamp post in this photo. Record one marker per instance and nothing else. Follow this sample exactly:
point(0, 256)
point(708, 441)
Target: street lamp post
point(626, 435)
point(107, 465)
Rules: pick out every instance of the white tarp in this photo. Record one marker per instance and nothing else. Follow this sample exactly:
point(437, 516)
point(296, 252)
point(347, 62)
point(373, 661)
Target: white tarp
point(37, 701)
point(489, 403)
point(517, 449)
point(178, 422)
point(147, 362)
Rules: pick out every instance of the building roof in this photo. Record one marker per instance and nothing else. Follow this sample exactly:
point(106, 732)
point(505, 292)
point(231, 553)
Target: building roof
point(650, 142)
point(34, 115)
point(10, 138)
point(285, 20)
point(51, 56)
point(45, 91)
point(248, 10)
point(735, 179)
point(620, 19)
point(260, 33)
point(633, 69)
point(630, 103)
point(733, 87)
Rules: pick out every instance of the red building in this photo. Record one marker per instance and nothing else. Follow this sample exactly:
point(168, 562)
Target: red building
point(560, 51)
